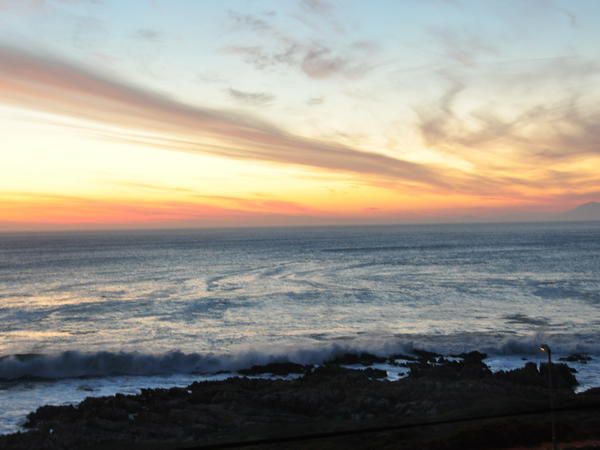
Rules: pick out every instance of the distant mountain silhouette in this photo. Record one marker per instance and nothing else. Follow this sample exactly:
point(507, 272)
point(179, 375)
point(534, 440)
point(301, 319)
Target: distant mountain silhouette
point(587, 211)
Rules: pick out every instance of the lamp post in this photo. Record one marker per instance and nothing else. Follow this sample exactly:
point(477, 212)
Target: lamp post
point(544, 348)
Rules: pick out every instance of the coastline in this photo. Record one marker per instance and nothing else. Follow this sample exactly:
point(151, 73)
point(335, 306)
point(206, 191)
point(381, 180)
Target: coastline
point(347, 391)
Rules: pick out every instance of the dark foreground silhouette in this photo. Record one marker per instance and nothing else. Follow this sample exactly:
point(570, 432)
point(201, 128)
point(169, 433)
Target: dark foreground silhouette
point(329, 398)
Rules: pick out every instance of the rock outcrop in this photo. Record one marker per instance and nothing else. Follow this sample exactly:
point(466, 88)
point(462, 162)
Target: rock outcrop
point(323, 398)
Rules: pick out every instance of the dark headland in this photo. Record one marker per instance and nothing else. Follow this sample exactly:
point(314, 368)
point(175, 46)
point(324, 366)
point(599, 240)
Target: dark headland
point(330, 398)
point(587, 211)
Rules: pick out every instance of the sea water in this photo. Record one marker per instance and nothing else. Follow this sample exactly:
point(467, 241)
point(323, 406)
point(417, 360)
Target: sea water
point(95, 313)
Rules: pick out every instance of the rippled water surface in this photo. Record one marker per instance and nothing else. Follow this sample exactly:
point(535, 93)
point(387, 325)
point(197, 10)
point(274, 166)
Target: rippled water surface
point(163, 303)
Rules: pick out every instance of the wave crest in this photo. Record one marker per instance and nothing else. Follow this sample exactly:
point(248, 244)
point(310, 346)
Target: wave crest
point(77, 364)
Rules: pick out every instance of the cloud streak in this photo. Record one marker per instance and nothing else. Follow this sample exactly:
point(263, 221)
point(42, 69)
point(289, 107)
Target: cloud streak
point(541, 132)
point(314, 58)
point(24, 210)
point(251, 98)
point(148, 34)
point(51, 85)
point(547, 106)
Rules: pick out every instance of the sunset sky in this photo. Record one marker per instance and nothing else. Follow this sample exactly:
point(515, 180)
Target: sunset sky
point(163, 113)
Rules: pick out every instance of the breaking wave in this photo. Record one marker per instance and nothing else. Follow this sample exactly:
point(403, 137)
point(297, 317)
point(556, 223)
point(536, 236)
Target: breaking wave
point(77, 364)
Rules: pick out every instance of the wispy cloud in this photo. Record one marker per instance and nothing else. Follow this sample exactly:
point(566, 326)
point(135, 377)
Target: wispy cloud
point(251, 98)
point(148, 34)
point(30, 6)
point(315, 60)
point(262, 58)
point(319, 15)
point(317, 6)
point(315, 57)
point(313, 101)
point(322, 62)
point(535, 128)
point(553, 7)
point(53, 85)
point(462, 46)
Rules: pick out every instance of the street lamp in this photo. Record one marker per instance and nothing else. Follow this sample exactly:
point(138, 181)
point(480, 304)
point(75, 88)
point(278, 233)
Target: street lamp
point(544, 348)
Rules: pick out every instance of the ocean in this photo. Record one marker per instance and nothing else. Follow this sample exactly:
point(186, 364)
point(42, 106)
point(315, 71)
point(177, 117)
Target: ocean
point(94, 313)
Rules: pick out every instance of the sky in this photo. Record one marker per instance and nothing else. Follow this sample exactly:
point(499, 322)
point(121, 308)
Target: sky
point(184, 113)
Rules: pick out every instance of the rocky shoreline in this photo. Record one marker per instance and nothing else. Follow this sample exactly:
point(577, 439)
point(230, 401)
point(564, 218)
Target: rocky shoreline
point(347, 392)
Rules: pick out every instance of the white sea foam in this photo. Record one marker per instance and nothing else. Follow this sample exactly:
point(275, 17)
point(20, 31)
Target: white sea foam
point(29, 381)
point(77, 364)
point(102, 312)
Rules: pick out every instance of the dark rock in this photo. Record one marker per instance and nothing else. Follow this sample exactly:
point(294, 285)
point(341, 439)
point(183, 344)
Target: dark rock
point(471, 367)
point(577, 357)
point(366, 359)
point(592, 392)
point(375, 373)
point(562, 377)
point(49, 413)
point(277, 368)
point(427, 356)
point(527, 375)
point(472, 357)
point(325, 398)
point(333, 370)
point(113, 414)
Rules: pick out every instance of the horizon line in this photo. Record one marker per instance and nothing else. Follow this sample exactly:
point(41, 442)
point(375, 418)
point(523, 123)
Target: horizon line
point(304, 226)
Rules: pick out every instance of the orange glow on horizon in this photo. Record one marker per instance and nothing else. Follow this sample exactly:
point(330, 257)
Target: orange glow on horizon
point(82, 148)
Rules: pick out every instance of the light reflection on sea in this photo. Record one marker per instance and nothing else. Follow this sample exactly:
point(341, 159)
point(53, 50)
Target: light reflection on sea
point(499, 288)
